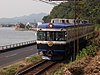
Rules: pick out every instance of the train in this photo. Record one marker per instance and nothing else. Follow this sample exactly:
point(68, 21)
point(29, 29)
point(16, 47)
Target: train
point(56, 40)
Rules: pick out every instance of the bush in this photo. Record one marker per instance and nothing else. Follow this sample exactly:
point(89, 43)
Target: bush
point(89, 50)
point(33, 59)
point(9, 71)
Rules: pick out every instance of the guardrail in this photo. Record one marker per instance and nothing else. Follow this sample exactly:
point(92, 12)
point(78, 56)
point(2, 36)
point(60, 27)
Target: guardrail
point(17, 45)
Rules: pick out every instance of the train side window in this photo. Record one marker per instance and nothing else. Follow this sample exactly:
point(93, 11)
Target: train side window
point(60, 36)
point(41, 35)
point(50, 36)
point(77, 21)
point(67, 21)
point(55, 21)
point(63, 21)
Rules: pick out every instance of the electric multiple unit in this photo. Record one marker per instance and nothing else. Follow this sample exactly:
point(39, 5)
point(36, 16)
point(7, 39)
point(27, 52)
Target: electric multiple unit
point(55, 38)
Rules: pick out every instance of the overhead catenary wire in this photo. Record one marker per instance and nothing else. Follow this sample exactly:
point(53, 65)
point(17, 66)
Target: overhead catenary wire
point(52, 2)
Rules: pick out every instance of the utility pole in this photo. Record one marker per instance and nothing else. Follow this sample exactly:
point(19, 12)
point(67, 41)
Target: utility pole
point(76, 42)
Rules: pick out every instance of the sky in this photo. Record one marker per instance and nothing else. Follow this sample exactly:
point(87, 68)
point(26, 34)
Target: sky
point(16, 8)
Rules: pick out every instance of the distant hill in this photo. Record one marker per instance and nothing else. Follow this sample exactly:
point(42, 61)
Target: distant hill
point(23, 19)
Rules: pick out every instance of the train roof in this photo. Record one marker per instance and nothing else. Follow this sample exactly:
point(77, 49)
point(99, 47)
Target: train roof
point(55, 25)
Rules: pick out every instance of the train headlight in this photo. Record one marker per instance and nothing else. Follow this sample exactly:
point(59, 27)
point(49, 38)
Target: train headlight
point(50, 25)
point(50, 43)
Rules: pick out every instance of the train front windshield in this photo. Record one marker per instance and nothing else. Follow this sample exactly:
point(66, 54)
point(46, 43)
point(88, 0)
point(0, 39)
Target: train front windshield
point(50, 36)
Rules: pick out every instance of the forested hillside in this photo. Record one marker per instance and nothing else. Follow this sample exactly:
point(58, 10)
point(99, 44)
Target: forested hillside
point(88, 9)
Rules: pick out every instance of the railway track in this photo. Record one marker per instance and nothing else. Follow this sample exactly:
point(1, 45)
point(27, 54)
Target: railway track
point(37, 69)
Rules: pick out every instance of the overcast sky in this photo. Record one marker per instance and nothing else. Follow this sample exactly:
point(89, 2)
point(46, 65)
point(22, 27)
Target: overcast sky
point(13, 8)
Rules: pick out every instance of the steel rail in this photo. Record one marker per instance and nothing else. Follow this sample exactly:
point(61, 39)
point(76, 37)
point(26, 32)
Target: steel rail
point(37, 69)
point(43, 70)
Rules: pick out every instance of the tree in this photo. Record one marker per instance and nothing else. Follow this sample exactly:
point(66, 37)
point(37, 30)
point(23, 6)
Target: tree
point(88, 9)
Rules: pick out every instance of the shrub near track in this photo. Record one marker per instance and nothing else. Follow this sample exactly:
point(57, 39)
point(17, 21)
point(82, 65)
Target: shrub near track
point(89, 50)
point(12, 69)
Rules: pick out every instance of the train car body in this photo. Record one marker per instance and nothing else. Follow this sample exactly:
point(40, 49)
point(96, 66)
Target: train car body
point(55, 38)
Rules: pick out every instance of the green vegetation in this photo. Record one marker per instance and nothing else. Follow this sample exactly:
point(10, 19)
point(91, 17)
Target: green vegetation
point(11, 70)
point(88, 9)
point(96, 41)
point(97, 28)
point(32, 59)
point(89, 50)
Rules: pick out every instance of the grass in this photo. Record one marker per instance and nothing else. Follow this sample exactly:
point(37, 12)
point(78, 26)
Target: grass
point(32, 59)
point(12, 69)
point(9, 71)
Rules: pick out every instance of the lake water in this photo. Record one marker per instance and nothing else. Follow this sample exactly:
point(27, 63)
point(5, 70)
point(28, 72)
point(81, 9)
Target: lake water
point(11, 36)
